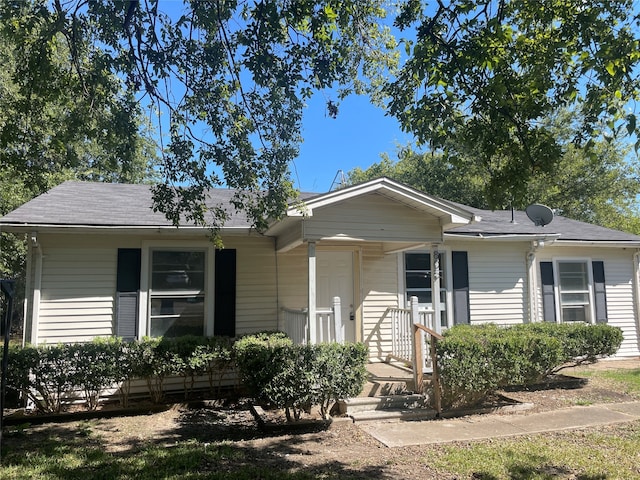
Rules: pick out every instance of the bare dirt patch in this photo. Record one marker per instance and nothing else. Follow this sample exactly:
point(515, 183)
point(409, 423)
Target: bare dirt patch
point(340, 449)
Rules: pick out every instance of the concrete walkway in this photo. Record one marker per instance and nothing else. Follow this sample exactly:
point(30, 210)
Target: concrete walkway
point(480, 427)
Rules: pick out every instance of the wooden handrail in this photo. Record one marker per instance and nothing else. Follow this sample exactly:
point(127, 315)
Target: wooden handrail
point(433, 333)
point(418, 363)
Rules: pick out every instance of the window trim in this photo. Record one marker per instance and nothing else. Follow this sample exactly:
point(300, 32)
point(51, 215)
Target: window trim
point(147, 247)
point(447, 285)
point(588, 261)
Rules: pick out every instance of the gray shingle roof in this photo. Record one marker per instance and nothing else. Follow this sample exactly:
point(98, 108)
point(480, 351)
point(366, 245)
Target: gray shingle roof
point(119, 205)
point(106, 204)
point(499, 223)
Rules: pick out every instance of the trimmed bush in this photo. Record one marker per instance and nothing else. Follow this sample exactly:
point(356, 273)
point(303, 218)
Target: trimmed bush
point(340, 372)
point(94, 367)
point(581, 343)
point(296, 377)
point(221, 362)
point(50, 376)
point(475, 361)
point(194, 356)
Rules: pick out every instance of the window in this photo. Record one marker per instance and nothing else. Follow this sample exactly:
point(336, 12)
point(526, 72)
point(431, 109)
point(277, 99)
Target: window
point(177, 295)
point(574, 291)
point(417, 268)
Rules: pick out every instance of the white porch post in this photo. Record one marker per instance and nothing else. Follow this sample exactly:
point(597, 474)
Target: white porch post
point(311, 301)
point(337, 320)
point(435, 287)
point(413, 307)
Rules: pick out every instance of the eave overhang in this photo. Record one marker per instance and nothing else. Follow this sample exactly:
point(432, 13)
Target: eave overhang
point(190, 230)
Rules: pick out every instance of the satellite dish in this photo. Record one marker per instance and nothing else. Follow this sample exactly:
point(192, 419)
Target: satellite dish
point(540, 215)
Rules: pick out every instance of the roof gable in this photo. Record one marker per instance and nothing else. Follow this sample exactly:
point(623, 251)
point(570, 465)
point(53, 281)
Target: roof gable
point(449, 213)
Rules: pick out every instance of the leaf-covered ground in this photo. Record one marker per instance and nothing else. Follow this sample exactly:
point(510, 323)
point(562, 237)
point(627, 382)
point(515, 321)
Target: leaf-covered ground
point(198, 442)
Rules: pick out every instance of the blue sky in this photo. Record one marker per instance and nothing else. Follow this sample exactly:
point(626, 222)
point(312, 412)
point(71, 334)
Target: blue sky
point(356, 138)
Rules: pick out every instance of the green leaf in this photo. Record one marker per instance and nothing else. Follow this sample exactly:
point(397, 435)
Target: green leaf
point(610, 68)
point(631, 124)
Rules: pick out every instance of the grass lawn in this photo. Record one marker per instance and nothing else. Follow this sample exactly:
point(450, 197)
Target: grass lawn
point(85, 450)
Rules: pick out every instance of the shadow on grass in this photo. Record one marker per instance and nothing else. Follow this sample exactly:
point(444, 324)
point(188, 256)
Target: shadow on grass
point(534, 466)
point(202, 444)
point(543, 472)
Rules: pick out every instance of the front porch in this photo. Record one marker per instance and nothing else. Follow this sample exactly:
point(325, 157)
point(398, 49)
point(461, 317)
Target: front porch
point(395, 388)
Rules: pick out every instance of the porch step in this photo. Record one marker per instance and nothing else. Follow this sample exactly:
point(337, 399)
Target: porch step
point(388, 379)
point(360, 404)
point(389, 407)
point(394, 415)
point(387, 387)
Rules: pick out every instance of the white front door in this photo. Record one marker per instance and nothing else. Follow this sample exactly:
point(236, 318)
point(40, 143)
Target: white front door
point(335, 279)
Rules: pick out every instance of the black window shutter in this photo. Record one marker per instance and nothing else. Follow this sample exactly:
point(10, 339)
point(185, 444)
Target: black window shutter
point(128, 270)
point(600, 293)
point(127, 292)
point(460, 267)
point(225, 293)
point(548, 294)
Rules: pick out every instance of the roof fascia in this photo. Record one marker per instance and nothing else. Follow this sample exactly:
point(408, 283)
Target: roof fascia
point(117, 229)
point(596, 243)
point(502, 237)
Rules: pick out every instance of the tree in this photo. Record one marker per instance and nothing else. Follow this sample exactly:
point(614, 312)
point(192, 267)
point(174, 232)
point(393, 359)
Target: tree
point(432, 173)
point(227, 79)
point(54, 129)
point(483, 75)
point(597, 185)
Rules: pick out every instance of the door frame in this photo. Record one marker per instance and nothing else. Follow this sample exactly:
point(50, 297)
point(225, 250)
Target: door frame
point(356, 275)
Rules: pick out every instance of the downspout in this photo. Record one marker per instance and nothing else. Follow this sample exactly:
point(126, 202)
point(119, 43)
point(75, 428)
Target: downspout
point(28, 295)
point(532, 281)
point(533, 287)
point(37, 285)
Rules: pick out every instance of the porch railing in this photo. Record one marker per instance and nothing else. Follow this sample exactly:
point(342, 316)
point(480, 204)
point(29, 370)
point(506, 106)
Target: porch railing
point(295, 324)
point(327, 326)
point(402, 334)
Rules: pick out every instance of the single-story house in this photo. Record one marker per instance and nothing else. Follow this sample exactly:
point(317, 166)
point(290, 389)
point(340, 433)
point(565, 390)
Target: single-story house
point(101, 262)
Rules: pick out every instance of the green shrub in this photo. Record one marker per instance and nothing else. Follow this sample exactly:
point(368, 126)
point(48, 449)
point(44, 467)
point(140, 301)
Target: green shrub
point(475, 361)
point(582, 343)
point(43, 374)
point(155, 362)
point(340, 372)
point(127, 362)
point(296, 377)
point(219, 353)
point(94, 367)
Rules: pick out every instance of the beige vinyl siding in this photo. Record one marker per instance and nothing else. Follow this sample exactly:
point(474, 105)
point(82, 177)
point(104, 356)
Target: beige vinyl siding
point(379, 291)
point(77, 295)
point(256, 289)
point(374, 218)
point(619, 285)
point(293, 275)
point(79, 283)
point(497, 281)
